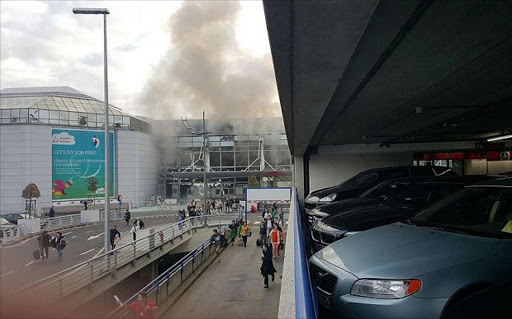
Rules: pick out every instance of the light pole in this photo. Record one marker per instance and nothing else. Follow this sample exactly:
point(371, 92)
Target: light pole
point(104, 12)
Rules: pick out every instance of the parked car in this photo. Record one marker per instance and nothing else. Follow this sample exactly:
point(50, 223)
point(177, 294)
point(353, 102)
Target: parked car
point(483, 303)
point(13, 217)
point(365, 180)
point(424, 267)
point(375, 195)
point(4, 222)
point(401, 206)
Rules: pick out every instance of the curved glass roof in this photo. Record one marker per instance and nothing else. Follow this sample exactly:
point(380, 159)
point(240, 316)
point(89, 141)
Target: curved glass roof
point(61, 105)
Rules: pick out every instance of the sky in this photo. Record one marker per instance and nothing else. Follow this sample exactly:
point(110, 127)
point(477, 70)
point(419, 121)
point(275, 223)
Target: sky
point(166, 59)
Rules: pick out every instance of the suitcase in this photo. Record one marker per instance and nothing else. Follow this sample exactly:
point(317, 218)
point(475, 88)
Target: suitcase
point(36, 254)
point(258, 242)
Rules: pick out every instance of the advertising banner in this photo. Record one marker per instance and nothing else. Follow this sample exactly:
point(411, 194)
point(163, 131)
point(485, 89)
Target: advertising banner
point(78, 164)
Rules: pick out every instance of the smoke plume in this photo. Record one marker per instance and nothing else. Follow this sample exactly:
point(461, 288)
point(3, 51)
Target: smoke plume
point(205, 69)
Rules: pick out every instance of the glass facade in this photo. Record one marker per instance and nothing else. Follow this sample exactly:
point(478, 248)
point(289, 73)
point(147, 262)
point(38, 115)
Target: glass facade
point(80, 111)
point(227, 153)
point(230, 152)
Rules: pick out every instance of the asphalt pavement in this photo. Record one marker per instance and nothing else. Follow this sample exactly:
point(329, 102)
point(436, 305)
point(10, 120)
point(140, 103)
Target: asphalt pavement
point(18, 267)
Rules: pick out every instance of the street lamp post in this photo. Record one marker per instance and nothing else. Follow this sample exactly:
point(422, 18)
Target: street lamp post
point(104, 12)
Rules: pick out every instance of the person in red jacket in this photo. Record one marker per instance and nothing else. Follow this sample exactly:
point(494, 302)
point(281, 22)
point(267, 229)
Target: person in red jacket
point(143, 307)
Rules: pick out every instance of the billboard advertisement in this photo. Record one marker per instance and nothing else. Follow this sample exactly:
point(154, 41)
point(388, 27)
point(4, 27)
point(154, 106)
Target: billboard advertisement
point(78, 164)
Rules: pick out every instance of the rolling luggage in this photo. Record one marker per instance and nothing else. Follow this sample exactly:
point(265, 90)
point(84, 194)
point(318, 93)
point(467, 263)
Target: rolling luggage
point(258, 242)
point(36, 254)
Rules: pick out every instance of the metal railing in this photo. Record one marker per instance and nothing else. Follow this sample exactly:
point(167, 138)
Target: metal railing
point(10, 234)
point(305, 303)
point(59, 222)
point(166, 283)
point(83, 274)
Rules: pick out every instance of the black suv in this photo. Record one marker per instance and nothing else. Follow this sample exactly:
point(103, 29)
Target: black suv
point(400, 207)
point(365, 180)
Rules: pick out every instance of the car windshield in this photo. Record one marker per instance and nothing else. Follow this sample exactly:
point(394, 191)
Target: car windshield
point(384, 190)
point(482, 211)
point(422, 195)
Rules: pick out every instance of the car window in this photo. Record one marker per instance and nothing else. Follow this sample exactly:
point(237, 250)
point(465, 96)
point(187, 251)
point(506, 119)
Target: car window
point(363, 179)
point(423, 195)
point(479, 211)
point(384, 190)
point(422, 171)
point(393, 173)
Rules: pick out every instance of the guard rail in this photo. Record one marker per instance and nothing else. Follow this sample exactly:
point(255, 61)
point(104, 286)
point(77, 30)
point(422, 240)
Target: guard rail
point(166, 283)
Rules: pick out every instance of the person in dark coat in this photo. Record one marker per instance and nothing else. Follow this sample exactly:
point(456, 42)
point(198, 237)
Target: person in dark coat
point(267, 267)
point(127, 217)
point(52, 212)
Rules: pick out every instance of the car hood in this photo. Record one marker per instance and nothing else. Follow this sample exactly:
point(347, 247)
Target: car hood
point(400, 251)
point(368, 216)
point(345, 205)
point(338, 189)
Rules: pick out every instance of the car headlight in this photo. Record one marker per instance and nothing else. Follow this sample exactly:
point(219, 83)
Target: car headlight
point(385, 289)
point(311, 199)
point(328, 198)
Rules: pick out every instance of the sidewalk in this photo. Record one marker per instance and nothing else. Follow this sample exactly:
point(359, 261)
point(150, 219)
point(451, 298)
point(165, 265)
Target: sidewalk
point(232, 288)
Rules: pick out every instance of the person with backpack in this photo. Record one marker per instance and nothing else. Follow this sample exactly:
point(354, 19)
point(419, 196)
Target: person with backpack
point(60, 244)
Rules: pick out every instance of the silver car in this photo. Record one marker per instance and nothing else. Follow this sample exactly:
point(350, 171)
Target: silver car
point(421, 268)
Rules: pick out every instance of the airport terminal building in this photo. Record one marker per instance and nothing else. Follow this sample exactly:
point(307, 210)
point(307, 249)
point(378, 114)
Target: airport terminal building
point(53, 137)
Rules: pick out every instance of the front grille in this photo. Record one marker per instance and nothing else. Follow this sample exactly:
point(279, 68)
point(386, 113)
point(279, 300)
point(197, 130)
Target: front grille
point(323, 279)
point(315, 234)
point(328, 238)
point(309, 206)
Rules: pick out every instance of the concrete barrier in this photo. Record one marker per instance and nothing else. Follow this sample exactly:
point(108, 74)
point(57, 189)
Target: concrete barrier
point(90, 216)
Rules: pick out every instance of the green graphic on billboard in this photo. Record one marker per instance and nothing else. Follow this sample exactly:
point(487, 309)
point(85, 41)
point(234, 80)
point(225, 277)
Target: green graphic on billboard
point(79, 155)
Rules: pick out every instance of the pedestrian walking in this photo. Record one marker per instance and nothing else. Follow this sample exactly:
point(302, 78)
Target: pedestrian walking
point(215, 241)
point(140, 224)
point(269, 225)
point(60, 243)
point(208, 207)
point(263, 233)
point(267, 266)
point(44, 241)
point(245, 232)
point(114, 236)
point(143, 308)
point(127, 217)
point(281, 217)
point(233, 231)
point(51, 213)
point(134, 230)
point(275, 238)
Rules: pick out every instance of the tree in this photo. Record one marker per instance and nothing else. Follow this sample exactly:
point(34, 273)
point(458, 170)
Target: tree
point(92, 186)
point(253, 181)
point(31, 191)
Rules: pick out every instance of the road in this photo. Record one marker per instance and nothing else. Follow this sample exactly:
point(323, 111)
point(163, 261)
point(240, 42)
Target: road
point(18, 268)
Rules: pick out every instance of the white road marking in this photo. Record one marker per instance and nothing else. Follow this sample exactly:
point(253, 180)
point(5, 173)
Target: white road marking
point(86, 252)
point(7, 274)
point(73, 237)
point(30, 263)
point(89, 231)
point(67, 233)
point(94, 237)
point(256, 223)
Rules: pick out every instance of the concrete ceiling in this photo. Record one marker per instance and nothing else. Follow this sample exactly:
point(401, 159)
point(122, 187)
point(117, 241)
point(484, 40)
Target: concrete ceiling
point(351, 72)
